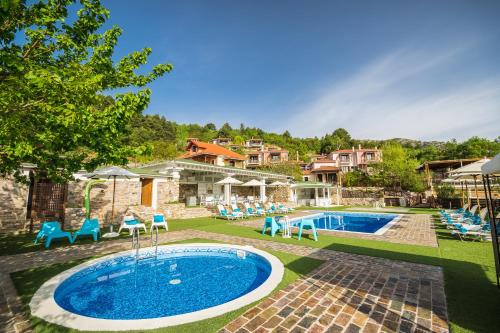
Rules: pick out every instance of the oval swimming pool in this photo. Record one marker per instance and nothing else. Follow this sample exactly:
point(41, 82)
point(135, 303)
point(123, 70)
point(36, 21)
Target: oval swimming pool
point(183, 283)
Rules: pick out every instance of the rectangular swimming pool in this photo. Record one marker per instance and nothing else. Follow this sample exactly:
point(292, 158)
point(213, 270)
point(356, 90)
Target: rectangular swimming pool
point(370, 223)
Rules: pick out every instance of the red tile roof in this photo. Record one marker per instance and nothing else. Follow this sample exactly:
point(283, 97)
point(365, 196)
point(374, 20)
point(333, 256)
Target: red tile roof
point(355, 150)
point(326, 160)
point(325, 168)
point(205, 148)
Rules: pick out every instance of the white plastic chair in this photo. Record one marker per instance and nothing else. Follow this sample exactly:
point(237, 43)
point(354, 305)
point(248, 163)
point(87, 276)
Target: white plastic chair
point(130, 223)
point(158, 220)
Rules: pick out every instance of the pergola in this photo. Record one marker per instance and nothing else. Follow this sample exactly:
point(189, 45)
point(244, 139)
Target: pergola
point(196, 173)
point(317, 191)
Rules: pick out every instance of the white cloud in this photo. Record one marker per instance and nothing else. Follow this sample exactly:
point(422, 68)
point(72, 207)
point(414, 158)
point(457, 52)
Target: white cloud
point(405, 95)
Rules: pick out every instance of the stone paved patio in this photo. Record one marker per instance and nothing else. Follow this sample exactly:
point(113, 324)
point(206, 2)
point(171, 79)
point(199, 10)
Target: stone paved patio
point(414, 229)
point(348, 293)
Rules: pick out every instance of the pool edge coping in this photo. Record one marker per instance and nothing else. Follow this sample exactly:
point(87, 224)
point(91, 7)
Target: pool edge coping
point(379, 232)
point(43, 304)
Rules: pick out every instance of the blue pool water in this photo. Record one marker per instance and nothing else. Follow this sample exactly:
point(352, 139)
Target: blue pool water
point(180, 280)
point(353, 222)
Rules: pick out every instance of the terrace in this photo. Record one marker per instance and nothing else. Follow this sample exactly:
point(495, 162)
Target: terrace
point(418, 277)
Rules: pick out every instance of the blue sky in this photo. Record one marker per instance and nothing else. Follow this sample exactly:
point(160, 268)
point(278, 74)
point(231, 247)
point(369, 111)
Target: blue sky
point(380, 69)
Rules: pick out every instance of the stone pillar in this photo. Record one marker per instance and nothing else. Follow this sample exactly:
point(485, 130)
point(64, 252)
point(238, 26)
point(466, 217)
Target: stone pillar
point(227, 193)
point(154, 199)
point(263, 191)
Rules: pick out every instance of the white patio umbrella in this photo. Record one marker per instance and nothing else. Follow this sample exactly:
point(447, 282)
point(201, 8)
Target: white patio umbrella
point(492, 167)
point(278, 183)
point(470, 171)
point(112, 171)
point(253, 183)
point(228, 182)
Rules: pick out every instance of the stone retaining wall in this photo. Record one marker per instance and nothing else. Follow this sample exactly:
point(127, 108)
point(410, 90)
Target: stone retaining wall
point(127, 193)
point(13, 203)
point(361, 201)
point(278, 194)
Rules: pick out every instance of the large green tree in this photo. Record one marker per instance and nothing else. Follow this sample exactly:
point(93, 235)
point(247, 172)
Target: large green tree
point(339, 139)
point(55, 70)
point(397, 169)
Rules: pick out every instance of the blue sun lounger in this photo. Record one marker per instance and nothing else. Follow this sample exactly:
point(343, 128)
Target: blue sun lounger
point(90, 227)
point(50, 231)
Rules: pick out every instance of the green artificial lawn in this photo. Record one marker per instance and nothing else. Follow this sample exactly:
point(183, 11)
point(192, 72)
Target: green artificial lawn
point(469, 270)
point(27, 283)
point(472, 296)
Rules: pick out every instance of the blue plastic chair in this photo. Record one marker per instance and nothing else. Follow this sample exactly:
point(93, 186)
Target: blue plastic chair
point(308, 224)
point(90, 227)
point(50, 231)
point(270, 222)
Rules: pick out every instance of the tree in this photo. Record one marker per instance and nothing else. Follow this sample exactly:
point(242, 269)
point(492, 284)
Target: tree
point(211, 126)
point(445, 191)
point(286, 168)
point(239, 140)
point(357, 178)
point(339, 139)
point(225, 131)
point(54, 71)
point(397, 170)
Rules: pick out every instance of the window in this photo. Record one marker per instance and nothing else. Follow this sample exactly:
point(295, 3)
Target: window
point(275, 158)
point(345, 169)
point(232, 163)
point(254, 159)
point(194, 148)
point(306, 179)
point(344, 158)
point(370, 156)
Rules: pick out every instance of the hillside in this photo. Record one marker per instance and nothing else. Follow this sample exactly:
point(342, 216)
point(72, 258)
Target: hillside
point(166, 139)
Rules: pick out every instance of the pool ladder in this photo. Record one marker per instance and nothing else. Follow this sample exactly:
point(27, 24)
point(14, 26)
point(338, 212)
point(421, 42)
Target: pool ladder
point(136, 243)
point(340, 222)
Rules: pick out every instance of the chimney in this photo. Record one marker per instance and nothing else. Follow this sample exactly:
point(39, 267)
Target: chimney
point(352, 148)
point(359, 146)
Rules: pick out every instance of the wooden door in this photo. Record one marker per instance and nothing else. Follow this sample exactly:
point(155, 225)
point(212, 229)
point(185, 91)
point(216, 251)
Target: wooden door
point(147, 192)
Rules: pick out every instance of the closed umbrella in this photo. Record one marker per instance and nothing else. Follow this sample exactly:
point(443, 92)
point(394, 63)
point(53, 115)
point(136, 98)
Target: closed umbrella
point(112, 171)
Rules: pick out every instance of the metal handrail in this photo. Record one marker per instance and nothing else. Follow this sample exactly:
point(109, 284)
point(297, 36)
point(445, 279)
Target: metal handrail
point(155, 241)
point(136, 244)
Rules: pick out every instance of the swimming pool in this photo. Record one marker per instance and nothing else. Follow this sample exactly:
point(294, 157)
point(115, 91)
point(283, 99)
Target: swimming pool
point(183, 283)
point(370, 223)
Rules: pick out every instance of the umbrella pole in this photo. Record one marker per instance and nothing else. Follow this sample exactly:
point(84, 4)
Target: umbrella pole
point(113, 205)
point(467, 191)
point(463, 199)
point(477, 195)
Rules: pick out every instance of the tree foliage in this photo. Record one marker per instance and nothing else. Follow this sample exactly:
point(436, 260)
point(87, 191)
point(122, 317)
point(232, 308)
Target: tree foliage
point(358, 178)
point(55, 69)
point(397, 169)
point(445, 191)
point(339, 139)
point(286, 168)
